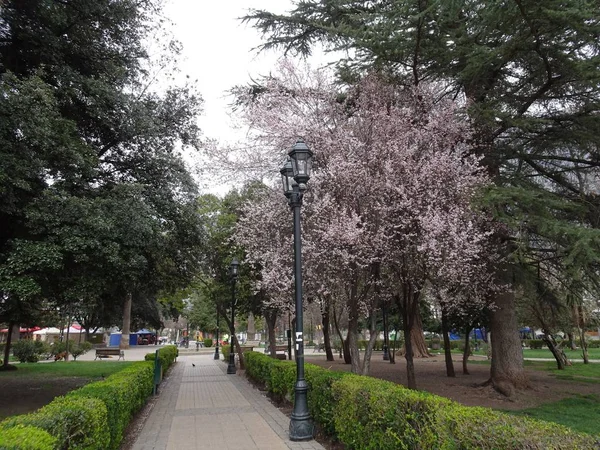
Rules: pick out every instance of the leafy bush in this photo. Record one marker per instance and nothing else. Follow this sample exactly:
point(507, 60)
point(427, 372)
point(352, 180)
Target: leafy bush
point(367, 413)
point(76, 423)
point(80, 349)
point(536, 344)
point(208, 342)
point(166, 354)
point(22, 437)
point(27, 351)
point(61, 346)
point(593, 344)
point(371, 413)
point(123, 394)
point(225, 351)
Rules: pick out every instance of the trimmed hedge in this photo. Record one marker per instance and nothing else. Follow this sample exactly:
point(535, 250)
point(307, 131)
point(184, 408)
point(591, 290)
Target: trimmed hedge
point(76, 423)
point(94, 416)
point(367, 413)
point(166, 354)
point(22, 437)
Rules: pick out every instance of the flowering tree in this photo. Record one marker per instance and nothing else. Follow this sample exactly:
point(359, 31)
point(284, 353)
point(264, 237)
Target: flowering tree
point(389, 203)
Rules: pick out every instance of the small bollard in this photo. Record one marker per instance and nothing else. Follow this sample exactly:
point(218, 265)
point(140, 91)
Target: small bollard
point(157, 373)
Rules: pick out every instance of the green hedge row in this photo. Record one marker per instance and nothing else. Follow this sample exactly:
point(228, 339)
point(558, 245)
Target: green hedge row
point(21, 437)
point(93, 417)
point(166, 354)
point(367, 413)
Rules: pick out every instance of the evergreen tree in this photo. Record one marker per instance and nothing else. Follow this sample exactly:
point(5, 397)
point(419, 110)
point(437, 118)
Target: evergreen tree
point(528, 74)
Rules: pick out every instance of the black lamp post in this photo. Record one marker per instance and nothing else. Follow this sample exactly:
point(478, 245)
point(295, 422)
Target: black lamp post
point(217, 343)
point(295, 174)
point(233, 272)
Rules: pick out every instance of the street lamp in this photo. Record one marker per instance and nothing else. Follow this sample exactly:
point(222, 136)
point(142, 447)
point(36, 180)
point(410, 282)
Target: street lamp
point(233, 272)
point(217, 344)
point(295, 174)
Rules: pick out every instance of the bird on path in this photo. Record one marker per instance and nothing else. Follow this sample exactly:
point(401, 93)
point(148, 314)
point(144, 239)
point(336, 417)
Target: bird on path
point(193, 365)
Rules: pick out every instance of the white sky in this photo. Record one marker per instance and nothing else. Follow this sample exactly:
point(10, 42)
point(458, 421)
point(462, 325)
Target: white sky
point(217, 51)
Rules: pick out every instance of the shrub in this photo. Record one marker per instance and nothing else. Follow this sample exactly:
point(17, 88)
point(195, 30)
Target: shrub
point(22, 437)
point(61, 346)
point(536, 344)
point(166, 354)
point(76, 423)
point(208, 342)
point(483, 428)
point(593, 343)
point(80, 349)
point(123, 394)
point(225, 350)
point(27, 351)
point(371, 413)
point(367, 413)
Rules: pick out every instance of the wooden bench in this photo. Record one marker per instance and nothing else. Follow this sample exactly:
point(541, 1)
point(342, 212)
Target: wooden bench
point(106, 352)
point(319, 348)
point(281, 351)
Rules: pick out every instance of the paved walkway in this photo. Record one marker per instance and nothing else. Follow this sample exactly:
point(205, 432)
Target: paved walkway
point(201, 407)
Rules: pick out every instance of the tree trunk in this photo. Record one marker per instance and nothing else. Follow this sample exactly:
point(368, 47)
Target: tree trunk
point(507, 372)
point(8, 343)
point(408, 354)
point(417, 338)
point(393, 350)
point(447, 351)
point(366, 366)
point(580, 322)
point(124, 344)
point(561, 359)
point(326, 336)
point(466, 352)
point(351, 343)
point(572, 345)
point(271, 319)
point(344, 349)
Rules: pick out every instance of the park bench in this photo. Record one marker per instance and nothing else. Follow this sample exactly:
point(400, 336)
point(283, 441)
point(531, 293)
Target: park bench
point(106, 352)
point(281, 351)
point(319, 348)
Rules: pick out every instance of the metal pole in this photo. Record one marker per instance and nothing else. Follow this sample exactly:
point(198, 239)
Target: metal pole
point(301, 426)
point(217, 343)
point(231, 365)
point(386, 355)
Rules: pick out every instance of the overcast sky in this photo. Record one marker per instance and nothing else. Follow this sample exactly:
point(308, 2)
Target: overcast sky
point(218, 52)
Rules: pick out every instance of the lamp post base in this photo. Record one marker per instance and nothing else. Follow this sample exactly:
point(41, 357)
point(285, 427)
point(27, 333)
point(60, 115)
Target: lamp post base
point(301, 429)
point(301, 425)
point(231, 365)
point(386, 354)
point(216, 357)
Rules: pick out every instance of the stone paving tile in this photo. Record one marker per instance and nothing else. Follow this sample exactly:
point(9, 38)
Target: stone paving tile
point(201, 407)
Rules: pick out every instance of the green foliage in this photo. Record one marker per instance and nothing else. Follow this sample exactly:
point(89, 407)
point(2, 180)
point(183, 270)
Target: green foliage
point(482, 428)
point(76, 423)
point(123, 394)
point(371, 413)
point(28, 351)
point(166, 354)
point(79, 349)
point(20, 437)
point(535, 344)
point(208, 342)
point(225, 349)
point(367, 413)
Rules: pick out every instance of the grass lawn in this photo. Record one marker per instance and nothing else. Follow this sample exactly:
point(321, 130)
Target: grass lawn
point(593, 353)
point(84, 369)
point(581, 413)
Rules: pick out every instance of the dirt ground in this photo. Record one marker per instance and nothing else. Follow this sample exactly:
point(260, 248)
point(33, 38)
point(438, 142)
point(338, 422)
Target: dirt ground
point(467, 389)
point(20, 396)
